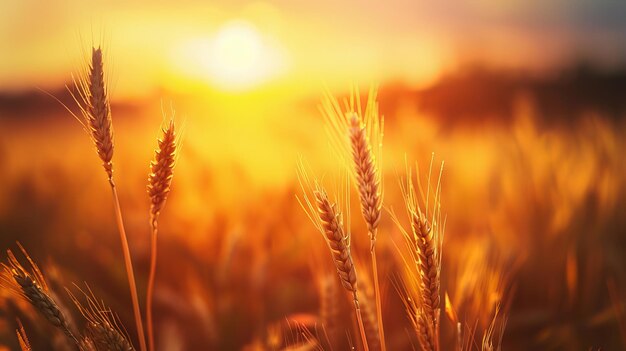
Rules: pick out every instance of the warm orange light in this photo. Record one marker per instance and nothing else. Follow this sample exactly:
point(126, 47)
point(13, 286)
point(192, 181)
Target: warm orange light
point(238, 57)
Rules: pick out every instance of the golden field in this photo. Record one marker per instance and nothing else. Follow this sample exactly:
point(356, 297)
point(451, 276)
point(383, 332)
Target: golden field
point(533, 189)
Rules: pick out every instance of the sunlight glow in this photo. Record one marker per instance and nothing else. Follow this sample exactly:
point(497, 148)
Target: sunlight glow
point(237, 57)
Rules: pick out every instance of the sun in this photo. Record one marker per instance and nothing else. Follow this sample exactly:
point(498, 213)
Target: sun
point(237, 57)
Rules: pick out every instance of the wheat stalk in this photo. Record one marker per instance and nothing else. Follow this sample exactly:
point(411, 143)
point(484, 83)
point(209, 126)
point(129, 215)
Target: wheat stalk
point(159, 182)
point(32, 286)
point(96, 111)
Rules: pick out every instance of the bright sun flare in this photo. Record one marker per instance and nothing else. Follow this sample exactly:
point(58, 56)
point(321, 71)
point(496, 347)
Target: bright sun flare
point(236, 58)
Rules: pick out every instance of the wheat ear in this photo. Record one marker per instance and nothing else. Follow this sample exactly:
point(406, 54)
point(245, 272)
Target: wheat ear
point(32, 286)
point(105, 338)
point(159, 182)
point(328, 221)
point(367, 176)
point(428, 266)
point(339, 246)
point(426, 335)
point(96, 110)
point(103, 331)
point(424, 243)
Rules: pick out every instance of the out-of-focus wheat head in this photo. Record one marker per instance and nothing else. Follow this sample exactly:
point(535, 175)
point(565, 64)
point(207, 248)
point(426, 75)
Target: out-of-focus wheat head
point(368, 305)
point(286, 336)
point(298, 337)
point(162, 171)
point(31, 285)
point(357, 137)
point(480, 293)
point(422, 278)
point(329, 306)
point(481, 285)
point(95, 108)
point(103, 332)
point(22, 338)
point(492, 336)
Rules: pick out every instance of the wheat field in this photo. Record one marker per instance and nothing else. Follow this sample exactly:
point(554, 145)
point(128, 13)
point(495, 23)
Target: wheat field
point(248, 205)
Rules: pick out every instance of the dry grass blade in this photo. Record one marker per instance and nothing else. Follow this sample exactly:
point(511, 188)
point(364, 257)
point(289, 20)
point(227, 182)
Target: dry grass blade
point(103, 331)
point(22, 338)
point(159, 182)
point(31, 285)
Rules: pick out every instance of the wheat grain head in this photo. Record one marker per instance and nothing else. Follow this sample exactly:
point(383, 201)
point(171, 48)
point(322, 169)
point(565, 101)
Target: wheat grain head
point(95, 108)
point(103, 332)
point(358, 137)
point(422, 286)
point(327, 219)
point(31, 285)
point(161, 171)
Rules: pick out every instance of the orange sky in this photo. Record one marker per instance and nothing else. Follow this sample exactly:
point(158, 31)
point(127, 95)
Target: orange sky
point(243, 45)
